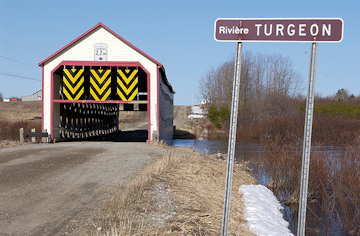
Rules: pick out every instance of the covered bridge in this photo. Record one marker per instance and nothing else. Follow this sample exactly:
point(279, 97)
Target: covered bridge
point(86, 83)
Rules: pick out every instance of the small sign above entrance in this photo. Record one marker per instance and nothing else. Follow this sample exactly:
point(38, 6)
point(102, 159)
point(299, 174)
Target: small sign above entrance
point(100, 52)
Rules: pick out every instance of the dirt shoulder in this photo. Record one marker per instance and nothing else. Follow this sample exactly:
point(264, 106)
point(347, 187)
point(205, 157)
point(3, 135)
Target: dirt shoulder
point(181, 193)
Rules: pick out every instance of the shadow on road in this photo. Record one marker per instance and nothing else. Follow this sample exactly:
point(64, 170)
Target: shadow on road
point(127, 136)
point(118, 136)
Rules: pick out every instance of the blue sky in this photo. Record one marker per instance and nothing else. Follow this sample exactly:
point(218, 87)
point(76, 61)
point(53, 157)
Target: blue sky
point(177, 33)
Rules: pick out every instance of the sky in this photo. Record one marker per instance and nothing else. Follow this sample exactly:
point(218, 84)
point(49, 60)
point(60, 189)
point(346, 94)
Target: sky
point(177, 33)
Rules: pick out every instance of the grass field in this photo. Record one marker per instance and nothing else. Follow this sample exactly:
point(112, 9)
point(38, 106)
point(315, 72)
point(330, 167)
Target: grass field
point(20, 111)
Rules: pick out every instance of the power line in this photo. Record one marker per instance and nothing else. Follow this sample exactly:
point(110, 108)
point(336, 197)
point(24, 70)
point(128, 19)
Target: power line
point(18, 76)
point(24, 63)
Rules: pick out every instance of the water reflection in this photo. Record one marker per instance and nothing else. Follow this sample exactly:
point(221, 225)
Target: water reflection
point(207, 147)
point(244, 151)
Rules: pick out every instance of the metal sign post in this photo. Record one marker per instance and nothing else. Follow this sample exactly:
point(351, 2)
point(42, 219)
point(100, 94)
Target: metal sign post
point(307, 141)
point(232, 138)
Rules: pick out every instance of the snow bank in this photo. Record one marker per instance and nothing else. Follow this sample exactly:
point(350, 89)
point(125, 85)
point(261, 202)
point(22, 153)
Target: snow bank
point(262, 211)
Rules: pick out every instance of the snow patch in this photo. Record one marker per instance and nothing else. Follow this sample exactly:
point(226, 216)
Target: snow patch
point(262, 211)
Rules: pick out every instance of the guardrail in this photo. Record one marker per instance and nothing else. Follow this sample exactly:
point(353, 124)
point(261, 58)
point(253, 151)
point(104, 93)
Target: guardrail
point(45, 137)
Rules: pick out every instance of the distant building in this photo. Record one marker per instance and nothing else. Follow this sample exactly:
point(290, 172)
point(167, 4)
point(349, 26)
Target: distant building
point(205, 101)
point(197, 109)
point(37, 96)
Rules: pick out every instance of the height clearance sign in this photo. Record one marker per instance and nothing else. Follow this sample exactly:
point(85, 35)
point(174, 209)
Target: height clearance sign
point(279, 29)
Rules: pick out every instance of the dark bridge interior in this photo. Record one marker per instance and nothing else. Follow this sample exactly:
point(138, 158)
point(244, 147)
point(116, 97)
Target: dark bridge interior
point(89, 104)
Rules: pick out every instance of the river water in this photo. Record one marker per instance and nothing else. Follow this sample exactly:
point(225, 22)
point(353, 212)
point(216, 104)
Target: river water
point(252, 153)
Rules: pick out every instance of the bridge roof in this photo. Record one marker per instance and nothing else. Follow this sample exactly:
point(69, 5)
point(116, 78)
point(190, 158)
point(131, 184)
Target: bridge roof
point(89, 32)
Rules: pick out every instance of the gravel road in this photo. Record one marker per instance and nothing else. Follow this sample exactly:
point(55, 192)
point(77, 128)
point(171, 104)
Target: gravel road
point(46, 187)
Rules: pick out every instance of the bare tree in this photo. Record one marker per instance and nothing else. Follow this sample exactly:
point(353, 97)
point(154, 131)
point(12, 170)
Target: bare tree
point(216, 85)
point(269, 85)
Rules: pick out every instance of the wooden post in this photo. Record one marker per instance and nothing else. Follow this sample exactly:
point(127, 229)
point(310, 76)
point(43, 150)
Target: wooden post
point(44, 139)
point(21, 135)
point(33, 139)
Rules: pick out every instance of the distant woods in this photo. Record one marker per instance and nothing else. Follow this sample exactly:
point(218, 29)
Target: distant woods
point(268, 88)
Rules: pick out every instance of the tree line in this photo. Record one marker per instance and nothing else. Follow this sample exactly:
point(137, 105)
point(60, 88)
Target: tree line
point(269, 87)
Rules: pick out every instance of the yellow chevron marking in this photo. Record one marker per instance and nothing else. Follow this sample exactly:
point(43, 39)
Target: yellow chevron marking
point(127, 90)
point(97, 87)
point(103, 88)
point(127, 79)
point(121, 95)
point(79, 94)
point(103, 77)
point(76, 77)
point(123, 98)
point(94, 95)
point(69, 97)
point(66, 93)
point(71, 89)
point(133, 95)
point(106, 95)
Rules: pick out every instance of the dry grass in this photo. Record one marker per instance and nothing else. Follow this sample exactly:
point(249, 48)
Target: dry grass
point(334, 178)
point(20, 111)
point(346, 185)
point(6, 144)
point(9, 131)
point(181, 193)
